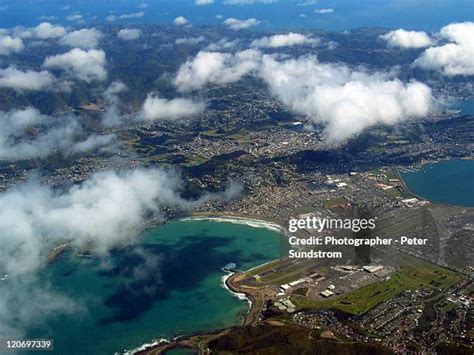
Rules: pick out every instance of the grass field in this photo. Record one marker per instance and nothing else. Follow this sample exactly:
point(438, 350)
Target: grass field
point(415, 277)
point(211, 133)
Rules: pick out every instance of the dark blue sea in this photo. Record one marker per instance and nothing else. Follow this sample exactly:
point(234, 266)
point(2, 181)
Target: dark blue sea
point(448, 182)
point(281, 15)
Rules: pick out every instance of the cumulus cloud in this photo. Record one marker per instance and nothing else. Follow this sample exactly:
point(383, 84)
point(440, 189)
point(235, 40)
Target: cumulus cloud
point(9, 44)
point(13, 78)
point(19, 140)
point(455, 57)
point(203, 2)
point(284, 40)
point(107, 210)
point(115, 88)
point(43, 31)
point(237, 25)
point(133, 15)
point(216, 68)
point(112, 116)
point(346, 101)
point(46, 30)
point(27, 134)
point(129, 34)
point(34, 218)
point(407, 39)
point(86, 38)
point(156, 108)
point(190, 40)
point(180, 21)
point(100, 143)
point(85, 65)
point(74, 17)
point(222, 44)
point(324, 11)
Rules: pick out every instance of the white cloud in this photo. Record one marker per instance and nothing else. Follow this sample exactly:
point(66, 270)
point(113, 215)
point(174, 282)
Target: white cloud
point(216, 68)
point(85, 65)
point(454, 58)
point(129, 34)
point(115, 88)
point(16, 79)
point(46, 30)
point(156, 108)
point(134, 15)
point(284, 40)
point(203, 2)
point(407, 39)
point(93, 143)
point(236, 24)
point(346, 101)
point(143, 5)
point(9, 44)
point(180, 21)
point(86, 38)
point(27, 134)
point(222, 44)
point(190, 40)
point(324, 11)
point(74, 17)
point(107, 210)
point(112, 116)
point(34, 218)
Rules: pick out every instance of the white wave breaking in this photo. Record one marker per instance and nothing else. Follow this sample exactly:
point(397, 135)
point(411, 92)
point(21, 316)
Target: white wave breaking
point(146, 346)
point(240, 296)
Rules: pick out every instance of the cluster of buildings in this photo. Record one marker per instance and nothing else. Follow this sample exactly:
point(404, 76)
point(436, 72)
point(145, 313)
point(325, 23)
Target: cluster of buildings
point(411, 322)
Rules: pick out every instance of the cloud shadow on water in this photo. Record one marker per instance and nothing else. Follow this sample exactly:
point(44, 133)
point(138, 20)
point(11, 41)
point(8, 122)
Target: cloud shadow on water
point(146, 274)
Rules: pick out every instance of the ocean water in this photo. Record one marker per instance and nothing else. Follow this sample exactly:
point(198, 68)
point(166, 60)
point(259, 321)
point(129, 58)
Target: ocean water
point(448, 182)
point(282, 15)
point(466, 106)
point(170, 284)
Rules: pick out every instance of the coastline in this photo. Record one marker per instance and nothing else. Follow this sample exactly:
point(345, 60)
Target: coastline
point(240, 295)
point(247, 221)
point(422, 165)
point(188, 341)
point(226, 280)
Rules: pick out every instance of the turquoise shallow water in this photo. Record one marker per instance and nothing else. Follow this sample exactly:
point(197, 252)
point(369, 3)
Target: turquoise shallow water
point(171, 284)
point(448, 182)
